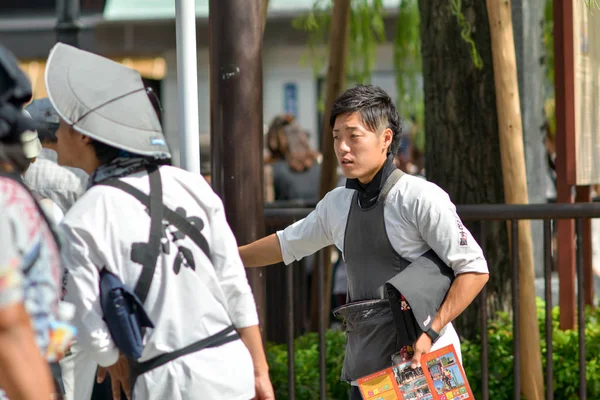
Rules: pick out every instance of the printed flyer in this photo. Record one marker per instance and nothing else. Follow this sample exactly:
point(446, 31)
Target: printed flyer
point(439, 377)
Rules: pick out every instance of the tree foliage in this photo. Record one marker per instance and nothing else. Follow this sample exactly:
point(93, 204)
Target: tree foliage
point(367, 31)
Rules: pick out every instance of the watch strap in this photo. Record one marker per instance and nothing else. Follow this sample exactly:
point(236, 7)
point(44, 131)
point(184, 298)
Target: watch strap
point(432, 334)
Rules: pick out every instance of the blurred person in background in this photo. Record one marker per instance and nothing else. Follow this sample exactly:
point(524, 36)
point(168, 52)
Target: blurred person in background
point(296, 176)
point(62, 185)
point(29, 255)
point(274, 151)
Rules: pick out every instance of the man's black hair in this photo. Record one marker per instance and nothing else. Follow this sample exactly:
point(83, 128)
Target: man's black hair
point(376, 110)
point(107, 153)
point(104, 152)
point(47, 131)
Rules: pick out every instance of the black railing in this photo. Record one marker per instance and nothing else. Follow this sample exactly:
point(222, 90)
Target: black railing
point(278, 218)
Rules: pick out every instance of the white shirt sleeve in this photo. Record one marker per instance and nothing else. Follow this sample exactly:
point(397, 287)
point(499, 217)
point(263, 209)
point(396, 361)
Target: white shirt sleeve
point(230, 270)
point(308, 235)
point(83, 291)
point(435, 217)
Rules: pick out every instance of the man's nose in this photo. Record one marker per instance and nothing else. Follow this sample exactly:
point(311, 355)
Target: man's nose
point(343, 146)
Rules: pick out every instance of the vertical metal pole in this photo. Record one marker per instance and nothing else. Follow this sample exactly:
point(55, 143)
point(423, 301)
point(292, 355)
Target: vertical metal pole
point(236, 125)
point(187, 85)
point(516, 308)
point(581, 310)
point(67, 22)
point(485, 372)
point(548, 300)
point(289, 272)
point(323, 254)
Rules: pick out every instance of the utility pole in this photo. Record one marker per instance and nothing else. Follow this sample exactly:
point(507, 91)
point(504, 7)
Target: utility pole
point(236, 123)
point(67, 22)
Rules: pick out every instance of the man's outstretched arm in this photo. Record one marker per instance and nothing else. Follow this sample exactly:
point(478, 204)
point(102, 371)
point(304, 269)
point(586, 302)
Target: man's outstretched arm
point(265, 251)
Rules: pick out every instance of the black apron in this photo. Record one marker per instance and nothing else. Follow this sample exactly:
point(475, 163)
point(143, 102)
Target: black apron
point(372, 335)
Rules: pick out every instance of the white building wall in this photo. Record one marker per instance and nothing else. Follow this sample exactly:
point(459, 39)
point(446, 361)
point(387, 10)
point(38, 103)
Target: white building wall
point(281, 65)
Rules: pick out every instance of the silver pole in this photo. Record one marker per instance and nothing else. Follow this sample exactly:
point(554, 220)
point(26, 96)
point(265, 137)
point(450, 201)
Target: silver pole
point(187, 85)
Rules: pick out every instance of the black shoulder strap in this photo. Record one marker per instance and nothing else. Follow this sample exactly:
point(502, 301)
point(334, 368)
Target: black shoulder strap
point(147, 253)
point(171, 216)
point(389, 183)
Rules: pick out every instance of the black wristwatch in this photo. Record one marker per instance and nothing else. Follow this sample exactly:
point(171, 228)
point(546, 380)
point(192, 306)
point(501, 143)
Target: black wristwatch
point(432, 334)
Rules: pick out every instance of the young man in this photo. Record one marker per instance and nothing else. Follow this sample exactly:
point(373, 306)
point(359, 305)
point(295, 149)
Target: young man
point(381, 221)
point(29, 256)
point(197, 288)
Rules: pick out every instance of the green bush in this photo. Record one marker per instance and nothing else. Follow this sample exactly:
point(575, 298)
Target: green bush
point(307, 367)
point(501, 382)
point(565, 356)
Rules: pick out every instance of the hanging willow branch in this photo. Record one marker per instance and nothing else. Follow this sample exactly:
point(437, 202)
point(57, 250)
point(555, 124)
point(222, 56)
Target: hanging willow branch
point(367, 30)
point(466, 31)
point(407, 58)
point(592, 3)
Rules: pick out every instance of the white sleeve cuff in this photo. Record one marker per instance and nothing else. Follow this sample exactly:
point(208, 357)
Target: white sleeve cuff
point(477, 266)
point(107, 357)
point(288, 258)
point(243, 311)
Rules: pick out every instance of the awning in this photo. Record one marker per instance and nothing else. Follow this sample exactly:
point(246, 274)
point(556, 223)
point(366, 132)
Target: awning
point(150, 68)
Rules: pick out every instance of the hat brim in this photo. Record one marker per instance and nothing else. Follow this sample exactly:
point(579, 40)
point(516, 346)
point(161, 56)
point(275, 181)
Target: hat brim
point(115, 111)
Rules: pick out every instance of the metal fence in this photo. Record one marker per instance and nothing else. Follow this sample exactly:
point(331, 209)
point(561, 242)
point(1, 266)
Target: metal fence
point(278, 218)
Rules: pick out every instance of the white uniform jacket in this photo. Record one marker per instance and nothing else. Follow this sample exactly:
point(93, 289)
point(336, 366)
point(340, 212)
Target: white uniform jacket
point(189, 299)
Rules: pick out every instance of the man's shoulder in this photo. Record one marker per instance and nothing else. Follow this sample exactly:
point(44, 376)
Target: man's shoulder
point(338, 196)
point(44, 173)
point(412, 188)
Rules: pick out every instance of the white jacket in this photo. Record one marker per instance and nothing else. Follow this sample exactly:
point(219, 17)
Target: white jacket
point(187, 306)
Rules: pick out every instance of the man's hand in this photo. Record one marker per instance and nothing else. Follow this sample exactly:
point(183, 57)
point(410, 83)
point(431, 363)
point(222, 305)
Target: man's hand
point(422, 346)
point(264, 388)
point(119, 377)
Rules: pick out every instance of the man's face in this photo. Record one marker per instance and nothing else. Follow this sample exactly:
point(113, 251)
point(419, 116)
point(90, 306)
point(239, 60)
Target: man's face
point(360, 151)
point(70, 146)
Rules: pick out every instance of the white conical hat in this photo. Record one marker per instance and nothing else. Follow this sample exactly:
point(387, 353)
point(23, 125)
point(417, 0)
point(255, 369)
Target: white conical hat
point(104, 100)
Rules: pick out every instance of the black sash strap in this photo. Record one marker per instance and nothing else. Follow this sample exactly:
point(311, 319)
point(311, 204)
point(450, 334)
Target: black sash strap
point(147, 253)
point(225, 336)
point(174, 218)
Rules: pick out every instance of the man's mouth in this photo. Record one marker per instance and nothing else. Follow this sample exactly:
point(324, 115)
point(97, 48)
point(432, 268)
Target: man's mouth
point(346, 162)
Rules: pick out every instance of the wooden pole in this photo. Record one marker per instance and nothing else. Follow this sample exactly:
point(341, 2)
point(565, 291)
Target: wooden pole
point(515, 188)
point(564, 86)
point(336, 82)
point(236, 110)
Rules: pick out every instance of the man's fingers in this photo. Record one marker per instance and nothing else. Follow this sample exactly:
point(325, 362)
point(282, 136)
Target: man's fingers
point(127, 386)
point(100, 375)
point(416, 359)
point(116, 387)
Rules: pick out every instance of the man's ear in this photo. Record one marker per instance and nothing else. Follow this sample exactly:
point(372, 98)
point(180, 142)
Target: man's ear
point(86, 139)
point(388, 136)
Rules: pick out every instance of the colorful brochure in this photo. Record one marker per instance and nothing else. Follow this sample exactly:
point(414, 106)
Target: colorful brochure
point(438, 377)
